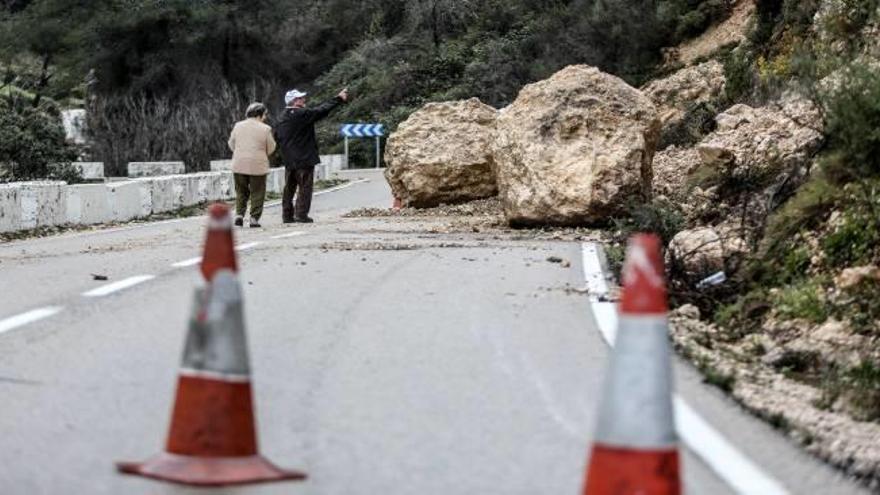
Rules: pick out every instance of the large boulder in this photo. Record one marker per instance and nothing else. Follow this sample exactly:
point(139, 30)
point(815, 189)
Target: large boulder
point(574, 149)
point(443, 154)
point(676, 94)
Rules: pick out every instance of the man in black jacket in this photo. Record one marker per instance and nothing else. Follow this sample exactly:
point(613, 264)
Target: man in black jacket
point(295, 134)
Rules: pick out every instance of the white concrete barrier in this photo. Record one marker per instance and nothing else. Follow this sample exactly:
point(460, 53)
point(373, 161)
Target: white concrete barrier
point(221, 165)
point(321, 172)
point(161, 191)
point(10, 207)
point(219, 185)
point(187, 189)
point(42, 204)
point(227, 185)
point(88, 204)
point(275, 180)
point(27, 205)
point(129, 200)
point(154, 169)
point(333, 163)
point(88, 170)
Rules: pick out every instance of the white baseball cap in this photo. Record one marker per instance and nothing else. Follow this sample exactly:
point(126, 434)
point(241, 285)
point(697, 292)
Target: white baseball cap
point(292, 95)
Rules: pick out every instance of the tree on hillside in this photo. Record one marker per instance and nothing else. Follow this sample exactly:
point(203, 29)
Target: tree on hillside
point(52, 33)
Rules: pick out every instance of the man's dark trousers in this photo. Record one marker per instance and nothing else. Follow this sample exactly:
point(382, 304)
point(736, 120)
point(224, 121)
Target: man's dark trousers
point(304, 180)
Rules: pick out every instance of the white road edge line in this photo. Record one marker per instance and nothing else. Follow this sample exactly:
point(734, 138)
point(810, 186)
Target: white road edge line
point(287, 236)
point(38, 314)
point(343, 186)
point(731, 465)
point(108, 289)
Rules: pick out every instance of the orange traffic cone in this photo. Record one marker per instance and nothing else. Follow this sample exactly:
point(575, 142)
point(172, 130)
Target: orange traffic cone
point(636, 447)
point(212, 440)
point(219, 248)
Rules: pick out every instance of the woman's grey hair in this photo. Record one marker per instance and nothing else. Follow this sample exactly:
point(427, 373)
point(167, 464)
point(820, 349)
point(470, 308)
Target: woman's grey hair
point(255, 110)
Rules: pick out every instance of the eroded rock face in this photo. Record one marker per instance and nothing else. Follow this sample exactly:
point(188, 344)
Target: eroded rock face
point(574, 149)
point(673, 95)
point(443, 154)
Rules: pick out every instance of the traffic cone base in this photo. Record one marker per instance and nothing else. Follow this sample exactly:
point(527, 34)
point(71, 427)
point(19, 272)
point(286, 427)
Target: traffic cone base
point(619, 471)
point(212, 418)
point(209, 471)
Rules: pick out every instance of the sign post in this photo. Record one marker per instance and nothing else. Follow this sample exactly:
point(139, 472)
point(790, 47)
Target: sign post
point(364, 131)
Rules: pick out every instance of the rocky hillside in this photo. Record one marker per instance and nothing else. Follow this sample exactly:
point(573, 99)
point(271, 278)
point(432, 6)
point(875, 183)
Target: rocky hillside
point(758, 161)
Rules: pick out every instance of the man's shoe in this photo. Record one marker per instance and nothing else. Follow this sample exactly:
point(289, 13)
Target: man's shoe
point(254, 223)
point(304, 220)
point(288, 220)
point(239, 221)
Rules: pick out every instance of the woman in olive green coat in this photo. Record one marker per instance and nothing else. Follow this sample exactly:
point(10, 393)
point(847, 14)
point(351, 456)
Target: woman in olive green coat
point(251, 143)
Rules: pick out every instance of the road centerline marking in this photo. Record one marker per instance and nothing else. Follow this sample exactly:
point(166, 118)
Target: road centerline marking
point(245, 247)
point(198, 259)
point(28, 317)
point(292, 234)
point(722, 457)
point(189, 262)
point(108, 289)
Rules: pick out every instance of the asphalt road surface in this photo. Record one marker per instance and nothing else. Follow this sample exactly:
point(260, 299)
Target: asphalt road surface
point(386, 360)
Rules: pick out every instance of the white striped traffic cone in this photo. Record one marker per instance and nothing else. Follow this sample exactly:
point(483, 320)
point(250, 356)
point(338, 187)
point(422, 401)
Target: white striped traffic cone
point(635, 451)
point(212, 440)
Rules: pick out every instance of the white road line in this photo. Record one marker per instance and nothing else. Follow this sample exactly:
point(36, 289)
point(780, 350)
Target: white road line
point(108, 289)
point(197, 260)
point(287, 236)
point(594, 273)
point(339, 188)
point(189, 262)
point(245, 247)
point(735, 468)
point(16, 321)
point(731, 465)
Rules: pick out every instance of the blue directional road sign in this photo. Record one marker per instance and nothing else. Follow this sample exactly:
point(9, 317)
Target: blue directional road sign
point(362, 130)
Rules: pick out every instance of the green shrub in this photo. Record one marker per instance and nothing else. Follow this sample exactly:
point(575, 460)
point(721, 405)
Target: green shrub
point(740, 74)
point(661, 217)
point(854, 241)
point(859, 307)
point(745, 314)
point(714, 376)
point(864, 381)
point(804, 212)
point(853, 126)
point(803, 300)
point(31, 139)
